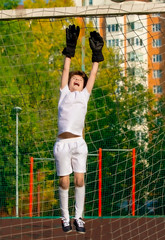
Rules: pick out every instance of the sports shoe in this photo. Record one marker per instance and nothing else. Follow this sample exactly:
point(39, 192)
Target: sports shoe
point(66, 225)
point(79, 224)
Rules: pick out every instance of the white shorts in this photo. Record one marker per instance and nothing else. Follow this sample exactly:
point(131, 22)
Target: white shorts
point(70, 155)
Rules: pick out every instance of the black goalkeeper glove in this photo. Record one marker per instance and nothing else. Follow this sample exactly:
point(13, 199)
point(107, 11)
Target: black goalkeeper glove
point(72, 34)
point(96, 44)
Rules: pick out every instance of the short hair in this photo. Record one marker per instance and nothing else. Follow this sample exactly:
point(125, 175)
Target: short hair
point(80, 73)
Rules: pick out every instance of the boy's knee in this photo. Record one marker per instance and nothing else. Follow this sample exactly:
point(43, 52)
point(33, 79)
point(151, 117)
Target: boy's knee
point(64, 182)
point(79, 182)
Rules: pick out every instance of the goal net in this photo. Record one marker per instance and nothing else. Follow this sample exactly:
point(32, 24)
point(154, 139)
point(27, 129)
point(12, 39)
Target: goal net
point(124, 129)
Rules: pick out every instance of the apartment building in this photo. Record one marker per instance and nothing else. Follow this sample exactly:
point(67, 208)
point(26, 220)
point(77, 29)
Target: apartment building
point(156, 56)
point(140, 41)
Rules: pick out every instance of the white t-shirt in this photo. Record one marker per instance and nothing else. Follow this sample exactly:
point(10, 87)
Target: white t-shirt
point(72, 108)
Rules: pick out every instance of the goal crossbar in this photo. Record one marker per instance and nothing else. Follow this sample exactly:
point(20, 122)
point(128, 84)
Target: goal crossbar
point(113, 9)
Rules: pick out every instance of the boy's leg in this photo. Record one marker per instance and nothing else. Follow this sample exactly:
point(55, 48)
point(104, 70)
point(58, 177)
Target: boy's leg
point(79, 194)
point(63, 196)
point(79, 205)
point(62, 153)
point(79, 159)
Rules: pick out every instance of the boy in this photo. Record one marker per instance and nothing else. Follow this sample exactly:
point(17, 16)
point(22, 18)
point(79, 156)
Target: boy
point(70, 149)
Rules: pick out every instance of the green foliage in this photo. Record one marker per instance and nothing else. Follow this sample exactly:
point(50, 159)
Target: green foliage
point(30, 77)
point(51, 3)
point(31, 65)
point(8, 4)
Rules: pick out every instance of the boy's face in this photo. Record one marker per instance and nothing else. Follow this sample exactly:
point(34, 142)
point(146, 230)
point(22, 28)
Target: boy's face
point(76, 83)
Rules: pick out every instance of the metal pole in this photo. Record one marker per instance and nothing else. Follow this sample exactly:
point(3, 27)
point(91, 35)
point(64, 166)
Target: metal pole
point(17, 214)
point(100, 183)
point(133, 180)
point(83, 53)
point(17, 109)
point(83, 43)
point(31, 189)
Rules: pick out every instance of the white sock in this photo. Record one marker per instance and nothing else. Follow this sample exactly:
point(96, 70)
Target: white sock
point(79, 198)
point(63, 196)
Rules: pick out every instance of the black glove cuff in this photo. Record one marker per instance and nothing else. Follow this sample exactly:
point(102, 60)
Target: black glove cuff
point(68, 52)
point(97, 57)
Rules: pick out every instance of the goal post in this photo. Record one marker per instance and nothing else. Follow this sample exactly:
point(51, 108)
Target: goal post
point(100, 181)
point(31, 188)
point(133, 181)
point(133, 151)
point(124, 126)
point(112, 9)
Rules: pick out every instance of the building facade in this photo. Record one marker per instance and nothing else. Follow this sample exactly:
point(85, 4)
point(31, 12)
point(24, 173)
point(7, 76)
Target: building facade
point(140, 41)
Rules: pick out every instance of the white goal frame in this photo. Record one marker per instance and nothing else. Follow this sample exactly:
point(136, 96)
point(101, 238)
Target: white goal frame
point(113, 9)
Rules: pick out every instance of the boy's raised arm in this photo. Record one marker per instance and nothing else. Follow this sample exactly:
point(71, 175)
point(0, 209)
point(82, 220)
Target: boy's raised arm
point(96, 44)
point(65, 73)
point(92, 77)
point(72, 34)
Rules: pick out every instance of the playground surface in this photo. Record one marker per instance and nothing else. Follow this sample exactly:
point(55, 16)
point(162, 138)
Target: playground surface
point(136, 228)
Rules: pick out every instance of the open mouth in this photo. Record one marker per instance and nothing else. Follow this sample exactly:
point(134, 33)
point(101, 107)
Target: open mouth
point(76, 84)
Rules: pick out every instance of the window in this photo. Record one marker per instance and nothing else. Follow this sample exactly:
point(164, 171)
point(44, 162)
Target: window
point(135, 71)
point(131, 26)
point(113, 28)
point(156, 15)
point(131, 56)
point(157, 89)
point(130, 41)
point(131, 71)
point(157, 58)
point(156, 27)
point(134, 26)
point(90, 2)
point(157, 42)
point(139, 42)
point(157, 73)
point(135, 41)
point(114, 42)
point(135, 56)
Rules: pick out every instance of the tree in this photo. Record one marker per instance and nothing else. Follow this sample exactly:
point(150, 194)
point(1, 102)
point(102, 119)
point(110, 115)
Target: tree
point(31, 65)
point(8, 4)
point(119, 116)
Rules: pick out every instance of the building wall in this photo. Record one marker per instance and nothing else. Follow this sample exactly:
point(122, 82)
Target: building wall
point(146, 53)
point(156, 56)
